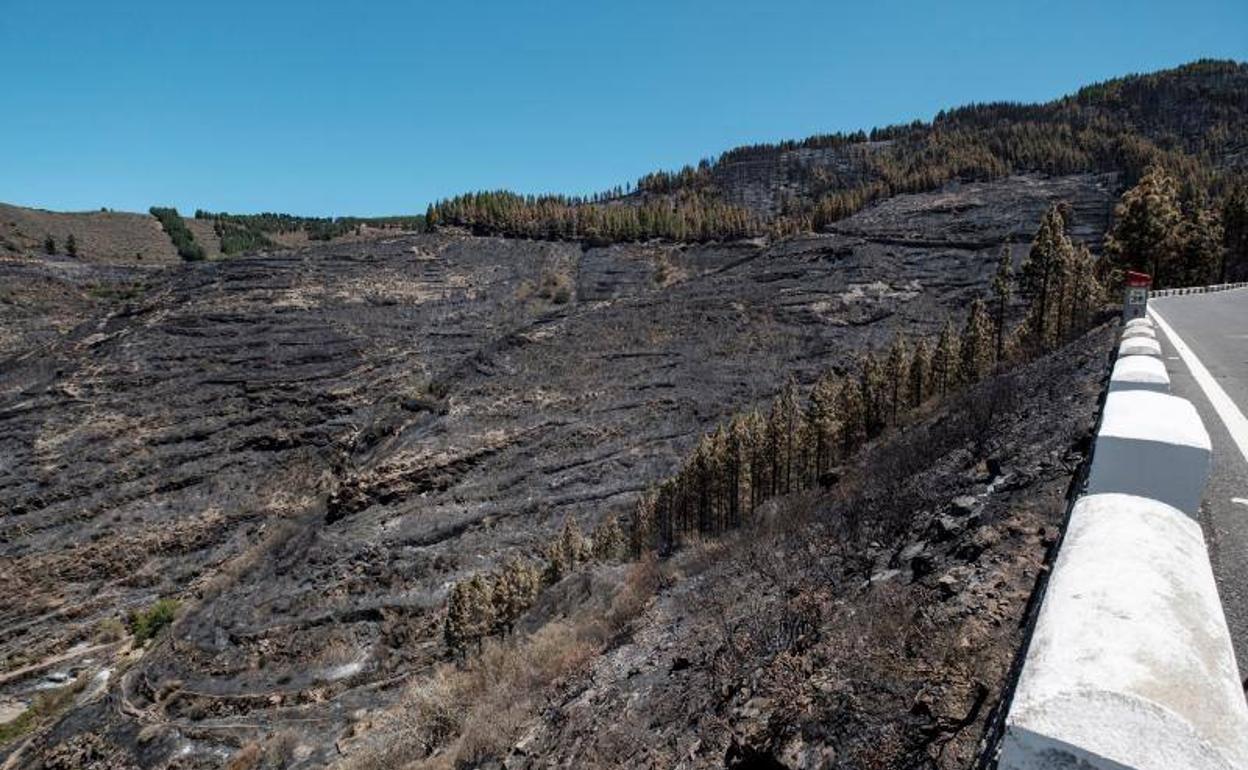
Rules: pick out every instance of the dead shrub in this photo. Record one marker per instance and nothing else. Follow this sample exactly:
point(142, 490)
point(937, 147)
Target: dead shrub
point(470, 713)
point(246, 758)
point(556, 287)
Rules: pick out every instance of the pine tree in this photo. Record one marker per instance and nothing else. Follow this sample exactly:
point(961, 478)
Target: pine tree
point(481, 609)
point(945, 361)
point(1234, 266)
point(1002, 290)
point(608, 541)
point(643, 529)
point(1088, 293)
point(1041, 272)
point(738, 468)
point(71, 245)
point(774, 449)
point(920, 373)
point(513, 591)
point(576, 550)
point(789, 413)
point(822, 424)
point(759, 461)
point(455, 625)
point(874, 394)
point(469, 614)
point(49, 245)
point(976, 345)
point(896, 373)
point(853, 417)
point(1063, 298)
point(1146, 224)
point(1198, 251)
point(558, 563)
point(698, 478)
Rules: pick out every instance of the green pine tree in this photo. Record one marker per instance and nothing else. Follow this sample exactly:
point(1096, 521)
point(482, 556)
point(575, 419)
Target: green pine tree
point(1234, 265)
point(1146, 224)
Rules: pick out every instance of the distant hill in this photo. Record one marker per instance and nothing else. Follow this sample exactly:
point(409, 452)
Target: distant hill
point(101, 236)
point(1192, 119)
point(132, 238)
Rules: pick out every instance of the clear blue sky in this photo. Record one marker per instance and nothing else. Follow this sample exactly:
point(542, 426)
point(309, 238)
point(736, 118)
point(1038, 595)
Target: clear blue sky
point(380, 107)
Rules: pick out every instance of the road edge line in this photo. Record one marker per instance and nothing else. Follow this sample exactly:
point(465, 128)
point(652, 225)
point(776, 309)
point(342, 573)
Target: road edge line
point(1232, 419)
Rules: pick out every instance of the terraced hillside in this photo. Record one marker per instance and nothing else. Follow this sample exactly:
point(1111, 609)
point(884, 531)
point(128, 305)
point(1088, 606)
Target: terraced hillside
point(305, 449)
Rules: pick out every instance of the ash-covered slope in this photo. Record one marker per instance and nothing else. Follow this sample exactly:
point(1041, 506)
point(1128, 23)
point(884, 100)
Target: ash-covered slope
point(306, 448)
point(800, 646)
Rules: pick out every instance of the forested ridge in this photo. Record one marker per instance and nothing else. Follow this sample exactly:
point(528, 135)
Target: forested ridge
point(1191, 121)
point(249, 232)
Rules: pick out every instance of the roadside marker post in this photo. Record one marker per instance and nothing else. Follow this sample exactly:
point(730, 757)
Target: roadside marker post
point(1135, 301)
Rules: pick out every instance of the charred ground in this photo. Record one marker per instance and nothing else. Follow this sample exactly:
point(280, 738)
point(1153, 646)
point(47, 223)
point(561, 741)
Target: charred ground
point(306, 448)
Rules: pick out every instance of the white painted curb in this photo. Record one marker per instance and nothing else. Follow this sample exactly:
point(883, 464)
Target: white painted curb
point(1139, 346)
point(1130, 665)
point(1144, 321)
point(1152, 445)
point(1132, 332)
point(1139, 373)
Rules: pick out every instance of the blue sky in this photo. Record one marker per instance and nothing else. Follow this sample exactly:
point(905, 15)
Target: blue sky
point(380, 107)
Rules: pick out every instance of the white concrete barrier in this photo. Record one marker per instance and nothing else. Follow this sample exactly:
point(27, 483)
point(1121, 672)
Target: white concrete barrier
point(1130, 665)
point(1152, 445)
point(1139, 346)
point(1139, 373)
point(1139, 331)
point(1144, 321)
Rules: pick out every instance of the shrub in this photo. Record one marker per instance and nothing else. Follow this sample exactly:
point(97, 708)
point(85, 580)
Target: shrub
point(49, 245)
point(109, 630)
point(148, 623)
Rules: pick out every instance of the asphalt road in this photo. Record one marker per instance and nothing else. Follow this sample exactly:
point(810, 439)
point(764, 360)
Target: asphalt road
point(1215, 329)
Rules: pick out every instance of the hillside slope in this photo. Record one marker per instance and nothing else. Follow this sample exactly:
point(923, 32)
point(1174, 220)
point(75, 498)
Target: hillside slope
point(1191, 120)
point(306, 449)
point(102, 236)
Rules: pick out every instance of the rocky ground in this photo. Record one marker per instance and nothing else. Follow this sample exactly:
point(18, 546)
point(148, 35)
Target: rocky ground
point(306, 448)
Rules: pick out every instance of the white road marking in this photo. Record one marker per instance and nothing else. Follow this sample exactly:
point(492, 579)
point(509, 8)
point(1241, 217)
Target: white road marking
point(1240, 500)
point(1234, 420)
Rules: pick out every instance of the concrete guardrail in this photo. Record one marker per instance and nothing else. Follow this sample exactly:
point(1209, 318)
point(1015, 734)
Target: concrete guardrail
point(1139, 331)
point(1139, 346)
point(1139, 373)
point(1198, 289)
point(1130, 665)
point(1152, 445)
